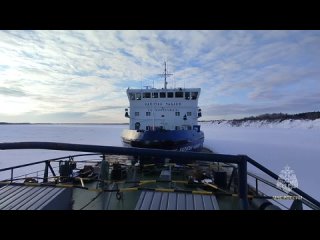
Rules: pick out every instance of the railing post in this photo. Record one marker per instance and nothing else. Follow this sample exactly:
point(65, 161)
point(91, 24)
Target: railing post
point(51, 169)
point(104, 171)
point(46, 172)
point(257, 191)
point(11, 175)
point(243, 183)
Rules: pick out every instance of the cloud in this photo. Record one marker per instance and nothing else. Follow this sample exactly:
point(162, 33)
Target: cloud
point(49, 72)
point(107, 108)
point(11, 92)
point(296, 104)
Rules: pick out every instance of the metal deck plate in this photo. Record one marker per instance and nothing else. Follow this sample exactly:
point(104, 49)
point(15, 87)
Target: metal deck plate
point(34, 198)
point(150, 200)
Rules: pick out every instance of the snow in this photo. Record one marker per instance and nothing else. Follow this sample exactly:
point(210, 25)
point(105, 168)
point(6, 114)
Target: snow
point(295, 144)
point(302, 124)
point(82, 134)
point(274, 148)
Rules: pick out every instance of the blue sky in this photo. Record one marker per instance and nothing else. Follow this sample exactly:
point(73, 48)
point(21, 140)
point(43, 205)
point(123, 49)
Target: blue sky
point(82, 76)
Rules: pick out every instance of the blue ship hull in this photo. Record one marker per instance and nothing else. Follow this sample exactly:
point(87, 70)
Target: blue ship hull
point(180, 140)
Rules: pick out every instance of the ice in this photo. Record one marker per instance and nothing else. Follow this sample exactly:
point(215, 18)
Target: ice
point(274, 148)
point(292, 143)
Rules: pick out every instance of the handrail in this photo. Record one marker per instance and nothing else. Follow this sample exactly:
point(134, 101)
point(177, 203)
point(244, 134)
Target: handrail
point(210, 157)
point(275, 176)
point(43, 161)
point(241, 160)
point(304, 201)
point(121, 151)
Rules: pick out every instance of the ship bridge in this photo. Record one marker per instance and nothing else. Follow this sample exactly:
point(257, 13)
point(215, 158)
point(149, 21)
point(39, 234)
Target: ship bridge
point(168, 109)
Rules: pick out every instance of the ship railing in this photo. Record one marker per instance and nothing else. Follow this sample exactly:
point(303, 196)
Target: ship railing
point(265, 187)
point(49, 168)
point(259, 185)
point(240, 160)
point(295, 192)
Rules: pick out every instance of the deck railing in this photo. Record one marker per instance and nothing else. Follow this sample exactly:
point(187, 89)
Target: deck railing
point(240, 160)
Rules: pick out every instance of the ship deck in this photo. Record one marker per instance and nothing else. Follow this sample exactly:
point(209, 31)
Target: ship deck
point(134, 179)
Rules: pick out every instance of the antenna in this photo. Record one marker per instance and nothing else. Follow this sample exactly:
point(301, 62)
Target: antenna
point(140, 76)
point(152, 93)
point(165, 74)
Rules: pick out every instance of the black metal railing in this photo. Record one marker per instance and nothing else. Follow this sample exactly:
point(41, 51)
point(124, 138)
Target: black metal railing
point(297, 191)
point(258, 179)
point(240, 160)
point(47, 166)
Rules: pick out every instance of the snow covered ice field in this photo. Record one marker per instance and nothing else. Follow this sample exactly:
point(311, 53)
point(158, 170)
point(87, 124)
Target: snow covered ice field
point(274, 148)
point(82, 134)
point(295, 145)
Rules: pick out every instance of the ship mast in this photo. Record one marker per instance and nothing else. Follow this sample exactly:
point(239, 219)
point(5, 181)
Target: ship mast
point(165, 74)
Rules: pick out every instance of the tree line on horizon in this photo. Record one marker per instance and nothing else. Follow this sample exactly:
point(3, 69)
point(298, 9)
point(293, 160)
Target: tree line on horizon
point(272, 117)
point(284, 116)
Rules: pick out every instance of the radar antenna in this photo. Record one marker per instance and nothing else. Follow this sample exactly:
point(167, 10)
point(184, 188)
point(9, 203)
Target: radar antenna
point(165, 74)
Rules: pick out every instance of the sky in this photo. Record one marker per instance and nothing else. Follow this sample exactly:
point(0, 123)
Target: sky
point(82, 76)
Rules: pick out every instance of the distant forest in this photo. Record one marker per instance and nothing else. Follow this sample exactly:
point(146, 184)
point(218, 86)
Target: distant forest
point(276, 117)
point(284, 116)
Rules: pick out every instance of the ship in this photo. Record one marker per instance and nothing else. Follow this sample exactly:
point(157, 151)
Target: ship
point(119, 178)
point(164, 118)
point(163, 166)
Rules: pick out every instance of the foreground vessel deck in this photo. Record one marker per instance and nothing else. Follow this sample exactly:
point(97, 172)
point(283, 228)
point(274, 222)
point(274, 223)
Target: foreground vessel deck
point(115, 178)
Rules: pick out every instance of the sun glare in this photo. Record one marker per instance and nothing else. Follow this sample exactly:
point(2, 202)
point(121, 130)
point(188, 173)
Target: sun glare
point(15, 106)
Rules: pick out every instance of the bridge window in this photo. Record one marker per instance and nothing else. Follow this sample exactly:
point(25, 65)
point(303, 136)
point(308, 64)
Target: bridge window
point(177, 114)
point(187, 95)
point(138, 96)
point(155, 95)
point(194, 95)
point(148, 113)
point(131, 96)
point(179, 94)
point(189, 113)
point(170, 94)
point(146, 95)
point(136, 114)
point(162, 94)
point(177, 127)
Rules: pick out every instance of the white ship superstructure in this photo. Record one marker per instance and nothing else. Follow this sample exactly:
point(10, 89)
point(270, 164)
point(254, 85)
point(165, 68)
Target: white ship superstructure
point(164, 118)
point(166, 109)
